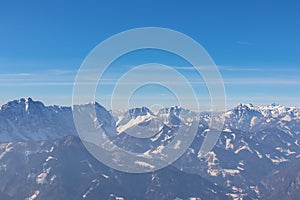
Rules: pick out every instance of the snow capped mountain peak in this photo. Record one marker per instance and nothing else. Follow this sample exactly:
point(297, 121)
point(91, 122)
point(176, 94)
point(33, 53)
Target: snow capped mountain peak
point(173, 110)
point(247, 117)
point(274, 104)
point(263, 110)
point(143, 111)
point(25, 119)
point(244, 111)
point(246, 107)
point(27, 99)
point(23, 105)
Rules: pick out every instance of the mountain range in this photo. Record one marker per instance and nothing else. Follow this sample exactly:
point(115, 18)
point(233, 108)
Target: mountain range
point(256, 157)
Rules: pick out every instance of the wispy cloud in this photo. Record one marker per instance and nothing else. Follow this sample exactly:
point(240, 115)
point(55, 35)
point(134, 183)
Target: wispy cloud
point(5, 75)
point(240, 68)
point(62, 72)
point(67, 79)
point(58, 77)
point(261, 81)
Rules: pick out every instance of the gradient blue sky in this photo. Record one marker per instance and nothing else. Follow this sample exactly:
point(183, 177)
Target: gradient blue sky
point(256, 45)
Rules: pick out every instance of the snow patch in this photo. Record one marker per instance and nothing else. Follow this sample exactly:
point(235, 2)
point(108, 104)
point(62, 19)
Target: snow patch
point(158, 150)
point(236, 196)
point(34, 196)
point(245, 147)
point(227, 130)
point(50, 158)
point(258, 154)
point(8, 147)
point(177, 144)
point(286, 151)
point(276, 160)
point(228, 144)
point(144, 164)
point(105, 176)
point(286, 118)
point(42, 177)
point(254, 121)
point(255, 189)
point(52, 179)
point(231, 172)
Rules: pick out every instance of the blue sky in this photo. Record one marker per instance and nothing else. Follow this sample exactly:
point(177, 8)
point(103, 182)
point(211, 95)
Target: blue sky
point(256, 45)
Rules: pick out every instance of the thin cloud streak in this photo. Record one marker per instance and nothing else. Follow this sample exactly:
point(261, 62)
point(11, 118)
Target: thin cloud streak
point(233, 81)
point(67, 78)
